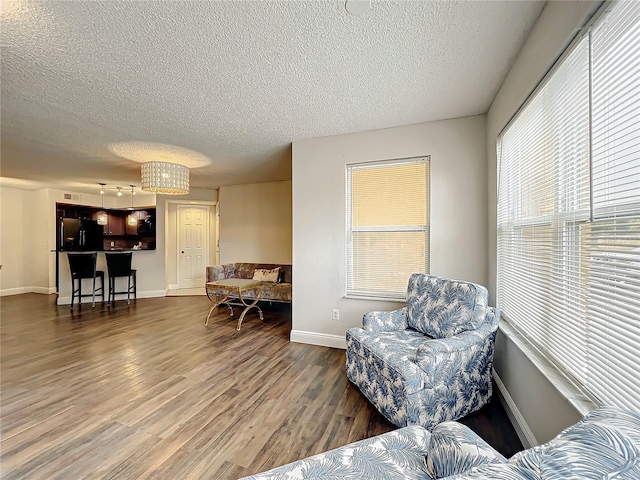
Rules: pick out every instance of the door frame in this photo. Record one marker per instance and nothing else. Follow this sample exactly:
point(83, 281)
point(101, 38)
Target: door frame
point(171, 232)
point(207, 255)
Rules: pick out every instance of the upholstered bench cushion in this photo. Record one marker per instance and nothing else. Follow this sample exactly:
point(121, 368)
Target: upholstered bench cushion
point(394, 455)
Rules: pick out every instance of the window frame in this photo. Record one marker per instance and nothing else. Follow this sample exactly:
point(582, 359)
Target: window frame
point(350, 291)
point(578, 239)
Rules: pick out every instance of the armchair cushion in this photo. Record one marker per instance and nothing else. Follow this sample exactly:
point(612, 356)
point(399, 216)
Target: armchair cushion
point(441, 308)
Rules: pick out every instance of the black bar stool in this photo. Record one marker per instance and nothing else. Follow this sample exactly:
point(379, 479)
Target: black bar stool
point(119, 265)
point(82, 266)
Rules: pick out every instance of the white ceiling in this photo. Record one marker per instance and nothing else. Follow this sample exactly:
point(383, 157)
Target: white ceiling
point(236, 81)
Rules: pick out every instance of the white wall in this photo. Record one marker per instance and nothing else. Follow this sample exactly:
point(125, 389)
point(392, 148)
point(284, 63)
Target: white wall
point(543, 409)
point(255, 223)
point(458, 215)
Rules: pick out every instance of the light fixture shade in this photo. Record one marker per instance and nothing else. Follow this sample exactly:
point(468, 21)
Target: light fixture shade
point(102, 218)
point(132, 219)
point(165, 177)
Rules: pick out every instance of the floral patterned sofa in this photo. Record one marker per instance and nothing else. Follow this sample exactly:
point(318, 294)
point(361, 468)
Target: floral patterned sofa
point(279, 291)
point(603, 445)
point(428, 362)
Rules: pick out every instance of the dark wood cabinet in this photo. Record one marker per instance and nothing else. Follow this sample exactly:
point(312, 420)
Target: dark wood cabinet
point(118, 233)
point(115, 225)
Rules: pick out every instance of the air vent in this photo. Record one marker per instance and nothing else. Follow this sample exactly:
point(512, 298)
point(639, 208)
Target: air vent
point(71, 196)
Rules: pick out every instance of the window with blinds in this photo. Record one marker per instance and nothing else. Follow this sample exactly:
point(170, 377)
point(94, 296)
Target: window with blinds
point(569, 212)
point(387, 226)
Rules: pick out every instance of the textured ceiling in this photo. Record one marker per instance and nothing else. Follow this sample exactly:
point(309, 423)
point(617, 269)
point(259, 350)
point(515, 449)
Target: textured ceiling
point(236, 81)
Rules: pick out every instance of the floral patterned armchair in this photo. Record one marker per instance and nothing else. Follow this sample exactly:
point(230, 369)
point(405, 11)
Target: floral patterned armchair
point(428, 362)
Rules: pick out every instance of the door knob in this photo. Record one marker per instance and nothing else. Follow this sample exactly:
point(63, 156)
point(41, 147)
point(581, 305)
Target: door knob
point(182, 251)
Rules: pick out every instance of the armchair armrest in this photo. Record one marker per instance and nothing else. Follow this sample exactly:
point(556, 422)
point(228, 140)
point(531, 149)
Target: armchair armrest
point(385, 321)
point(454, 448)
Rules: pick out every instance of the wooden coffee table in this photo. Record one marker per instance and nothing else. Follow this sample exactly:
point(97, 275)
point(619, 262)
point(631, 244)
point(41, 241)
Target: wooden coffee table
point(233, 288)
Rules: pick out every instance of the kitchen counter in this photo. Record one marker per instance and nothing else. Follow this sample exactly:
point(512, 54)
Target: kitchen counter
point(144, 263)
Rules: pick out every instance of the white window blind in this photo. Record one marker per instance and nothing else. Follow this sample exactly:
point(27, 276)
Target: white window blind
point(613, 238)
point(543, 204)
point(569, 212)
point(387, 226)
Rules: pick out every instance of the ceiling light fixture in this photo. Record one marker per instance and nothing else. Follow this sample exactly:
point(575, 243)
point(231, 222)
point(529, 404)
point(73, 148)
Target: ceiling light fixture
point(119, 192)
point(165, 177)
point(103, 219)
point(132, 218)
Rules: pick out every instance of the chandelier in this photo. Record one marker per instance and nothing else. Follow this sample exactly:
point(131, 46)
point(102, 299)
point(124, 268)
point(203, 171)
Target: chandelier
point(164, 177)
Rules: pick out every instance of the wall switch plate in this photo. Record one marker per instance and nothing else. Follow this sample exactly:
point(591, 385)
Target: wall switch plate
point(335, 314)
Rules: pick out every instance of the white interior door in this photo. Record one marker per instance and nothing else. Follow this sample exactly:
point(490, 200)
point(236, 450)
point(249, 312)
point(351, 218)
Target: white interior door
point(193, 245)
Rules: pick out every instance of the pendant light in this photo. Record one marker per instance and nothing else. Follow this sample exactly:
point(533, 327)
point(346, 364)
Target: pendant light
point(165, 177)
point(132, 218)
point(103, 219)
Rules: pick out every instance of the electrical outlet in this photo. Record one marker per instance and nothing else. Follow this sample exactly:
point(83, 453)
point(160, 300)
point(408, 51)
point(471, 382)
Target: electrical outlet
point(113, 244)
point(335, 314)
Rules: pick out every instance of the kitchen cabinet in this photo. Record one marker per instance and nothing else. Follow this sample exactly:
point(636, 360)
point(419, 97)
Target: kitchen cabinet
point(117, 233)
point(115, 225)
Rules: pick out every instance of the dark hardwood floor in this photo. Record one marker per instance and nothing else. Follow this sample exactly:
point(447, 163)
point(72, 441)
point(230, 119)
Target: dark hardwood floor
point(146, 391)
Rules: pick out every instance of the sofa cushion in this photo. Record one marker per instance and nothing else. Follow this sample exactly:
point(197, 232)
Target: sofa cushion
point(604, 444)
point(280, 292)
point(441, 308)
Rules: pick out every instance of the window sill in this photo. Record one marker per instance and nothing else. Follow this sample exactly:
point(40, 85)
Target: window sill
point(565, 386)
point(377, 299)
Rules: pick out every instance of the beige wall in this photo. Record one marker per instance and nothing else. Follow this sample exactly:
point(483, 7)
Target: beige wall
point(255, 223)
point(542, 410)
point(458, 215)
point(13, 248)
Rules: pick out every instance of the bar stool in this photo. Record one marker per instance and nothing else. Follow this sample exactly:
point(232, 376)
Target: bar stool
point(83, 266)
point(119, 265)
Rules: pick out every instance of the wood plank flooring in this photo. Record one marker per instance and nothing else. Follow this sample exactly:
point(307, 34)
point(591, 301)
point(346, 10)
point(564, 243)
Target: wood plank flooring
point(146, 391)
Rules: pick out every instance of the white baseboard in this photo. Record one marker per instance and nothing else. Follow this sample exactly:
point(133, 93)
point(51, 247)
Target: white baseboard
point(520, 425)
point(13, 291)
point(152, 294)
point(322, 339)
point(145, 294)
point(21, 290)
point(172, 286)
point(44, 290)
